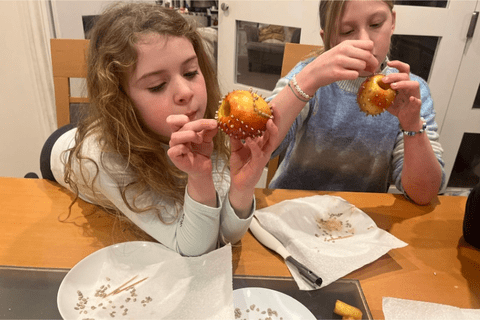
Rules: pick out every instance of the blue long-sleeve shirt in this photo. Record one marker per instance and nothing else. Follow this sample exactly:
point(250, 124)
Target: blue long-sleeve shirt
point(332, 145)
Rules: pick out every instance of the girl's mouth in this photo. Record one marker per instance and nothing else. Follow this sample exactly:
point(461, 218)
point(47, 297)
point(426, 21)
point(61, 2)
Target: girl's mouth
point(192, 116)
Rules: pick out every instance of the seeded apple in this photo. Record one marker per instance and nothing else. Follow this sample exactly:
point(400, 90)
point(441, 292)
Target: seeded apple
point(242, 114)
point(374, 96)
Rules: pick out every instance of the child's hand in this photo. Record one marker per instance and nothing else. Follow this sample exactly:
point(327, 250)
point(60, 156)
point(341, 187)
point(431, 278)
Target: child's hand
point(191, 144)
point(248, 159)
point(407, 104)
point(346, 61)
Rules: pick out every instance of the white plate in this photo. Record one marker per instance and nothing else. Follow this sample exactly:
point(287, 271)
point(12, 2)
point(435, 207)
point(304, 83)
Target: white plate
point(138, 255)
point(135, 254)
point(259, 300)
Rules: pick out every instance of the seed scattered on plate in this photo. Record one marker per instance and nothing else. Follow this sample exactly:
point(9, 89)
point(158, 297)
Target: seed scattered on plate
point(100, 293)
point(333, 228)
point(267, 314)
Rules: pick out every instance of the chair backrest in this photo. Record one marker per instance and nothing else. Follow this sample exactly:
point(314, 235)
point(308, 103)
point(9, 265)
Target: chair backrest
point(293, 54)
point(68, 61)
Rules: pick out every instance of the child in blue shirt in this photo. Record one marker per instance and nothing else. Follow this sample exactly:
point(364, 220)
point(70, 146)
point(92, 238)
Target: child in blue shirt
point(329, 144)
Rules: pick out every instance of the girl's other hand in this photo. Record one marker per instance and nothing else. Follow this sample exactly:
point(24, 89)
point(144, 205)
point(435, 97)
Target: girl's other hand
point(407, 104)
point(191, 144)
point(248, 159)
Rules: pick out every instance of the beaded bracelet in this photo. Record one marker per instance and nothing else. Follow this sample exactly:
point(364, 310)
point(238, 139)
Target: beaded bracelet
point(412, 133)
point(299, 90)
point(293, 91)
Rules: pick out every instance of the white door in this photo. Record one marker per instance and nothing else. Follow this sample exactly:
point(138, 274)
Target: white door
point(437, 34)
point(233, 53)
point(462, 121)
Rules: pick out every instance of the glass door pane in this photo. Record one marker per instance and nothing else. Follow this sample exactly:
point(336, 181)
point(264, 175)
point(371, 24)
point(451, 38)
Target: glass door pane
point(244, 63)
point(417, 51)
point(466, 169)
point(259, 53)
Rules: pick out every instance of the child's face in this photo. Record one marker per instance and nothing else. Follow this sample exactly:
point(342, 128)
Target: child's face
point(367, 20)
point(166, 81)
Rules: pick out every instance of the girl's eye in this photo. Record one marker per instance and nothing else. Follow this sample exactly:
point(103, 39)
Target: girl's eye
point(157, 88)
point(376, 25)
point(191, 74)
point(188, 75)
point(346, 33)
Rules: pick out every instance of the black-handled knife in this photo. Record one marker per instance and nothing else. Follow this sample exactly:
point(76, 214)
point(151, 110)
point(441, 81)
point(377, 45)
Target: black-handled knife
point(269, 241)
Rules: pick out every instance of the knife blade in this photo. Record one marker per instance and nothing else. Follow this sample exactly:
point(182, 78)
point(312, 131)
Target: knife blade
point(269, 241)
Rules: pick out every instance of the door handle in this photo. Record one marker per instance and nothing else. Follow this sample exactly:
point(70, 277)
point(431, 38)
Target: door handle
point(473, 24)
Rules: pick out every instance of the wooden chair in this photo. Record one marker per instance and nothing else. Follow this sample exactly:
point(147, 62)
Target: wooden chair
point(68, 61)
point(293, 54)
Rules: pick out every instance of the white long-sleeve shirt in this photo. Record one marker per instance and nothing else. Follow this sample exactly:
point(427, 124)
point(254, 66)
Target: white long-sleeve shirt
point(197, 229)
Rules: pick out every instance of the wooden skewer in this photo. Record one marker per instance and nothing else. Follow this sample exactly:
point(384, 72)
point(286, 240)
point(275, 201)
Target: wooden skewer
point(132, 285)
point(341, 237)
point(119, 289)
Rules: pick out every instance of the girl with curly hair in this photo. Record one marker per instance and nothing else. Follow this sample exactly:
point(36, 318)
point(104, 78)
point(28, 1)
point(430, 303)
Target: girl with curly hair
point(149, 147)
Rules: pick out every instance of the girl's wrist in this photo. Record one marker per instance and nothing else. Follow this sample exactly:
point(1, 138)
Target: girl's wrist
point(202, 190)
point(414, 129)
point(303, 83)
point(241, 202)
point(241, 194)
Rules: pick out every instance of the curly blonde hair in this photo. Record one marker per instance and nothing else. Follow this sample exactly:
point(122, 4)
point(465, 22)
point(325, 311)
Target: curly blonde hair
point(112, 115)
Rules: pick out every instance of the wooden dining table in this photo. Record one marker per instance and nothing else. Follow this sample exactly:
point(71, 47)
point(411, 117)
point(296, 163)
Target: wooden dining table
point(38, 230)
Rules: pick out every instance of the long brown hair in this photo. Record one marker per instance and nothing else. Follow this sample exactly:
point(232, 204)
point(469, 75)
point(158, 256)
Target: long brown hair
point(113, 117)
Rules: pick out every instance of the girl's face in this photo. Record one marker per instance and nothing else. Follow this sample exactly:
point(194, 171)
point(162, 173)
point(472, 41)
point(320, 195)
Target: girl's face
point(167, 80)
point(367, 20)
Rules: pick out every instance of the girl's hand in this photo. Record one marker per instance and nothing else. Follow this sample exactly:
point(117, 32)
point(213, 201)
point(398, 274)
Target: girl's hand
point(407, 104)
point(346, 61)
point(248, 159)
point(191, 144)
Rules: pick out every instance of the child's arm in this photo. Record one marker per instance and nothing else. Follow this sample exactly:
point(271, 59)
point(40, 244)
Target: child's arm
point(421, 172)
point(342, 62)
point(195, 230)
point(247, 163)
point(191, 145)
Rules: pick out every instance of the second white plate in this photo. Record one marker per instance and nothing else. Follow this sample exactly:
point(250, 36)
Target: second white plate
point(260, 303)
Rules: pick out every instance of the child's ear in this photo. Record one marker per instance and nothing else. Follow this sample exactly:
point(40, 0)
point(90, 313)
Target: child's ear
point(322, 34)
point(394, 18)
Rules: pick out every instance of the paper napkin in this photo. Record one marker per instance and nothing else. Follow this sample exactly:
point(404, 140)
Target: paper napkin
point(401, 309)
point(327, 234)
point(175, 288)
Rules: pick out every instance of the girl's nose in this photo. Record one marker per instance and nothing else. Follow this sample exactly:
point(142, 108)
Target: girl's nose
point(363, 35)
point(183, 93)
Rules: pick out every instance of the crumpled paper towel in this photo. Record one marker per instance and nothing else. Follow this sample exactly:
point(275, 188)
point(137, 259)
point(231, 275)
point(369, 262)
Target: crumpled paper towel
point(327, 234)
point(401, 309)
point(176, 288)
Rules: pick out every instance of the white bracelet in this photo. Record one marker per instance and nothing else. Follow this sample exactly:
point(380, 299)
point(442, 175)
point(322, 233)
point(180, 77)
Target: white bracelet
point(300, 91)
point(412, 133)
